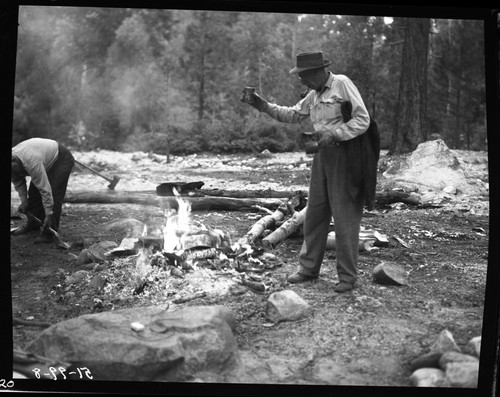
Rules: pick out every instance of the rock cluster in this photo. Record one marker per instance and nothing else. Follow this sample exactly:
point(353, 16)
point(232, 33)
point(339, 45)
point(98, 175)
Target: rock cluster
point(445, 365)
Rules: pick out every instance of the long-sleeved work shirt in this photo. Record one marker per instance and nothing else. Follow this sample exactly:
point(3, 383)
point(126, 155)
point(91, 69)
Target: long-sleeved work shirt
point(37, 155)
point(324, 109)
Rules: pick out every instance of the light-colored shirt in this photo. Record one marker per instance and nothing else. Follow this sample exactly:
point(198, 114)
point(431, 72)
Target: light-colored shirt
point(37, 156)
point(324, 109)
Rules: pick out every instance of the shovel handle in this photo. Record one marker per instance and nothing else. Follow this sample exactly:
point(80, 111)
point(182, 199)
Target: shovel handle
point(57, 236)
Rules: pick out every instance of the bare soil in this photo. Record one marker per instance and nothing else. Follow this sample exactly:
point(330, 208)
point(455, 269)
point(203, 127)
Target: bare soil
point(365, 337)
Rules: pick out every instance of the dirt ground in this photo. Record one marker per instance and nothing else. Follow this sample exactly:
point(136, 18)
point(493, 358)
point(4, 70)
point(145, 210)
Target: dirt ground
point(365, 337)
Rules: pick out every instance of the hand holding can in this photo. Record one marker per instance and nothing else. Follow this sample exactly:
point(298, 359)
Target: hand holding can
point(310, 140)
point(248, 95)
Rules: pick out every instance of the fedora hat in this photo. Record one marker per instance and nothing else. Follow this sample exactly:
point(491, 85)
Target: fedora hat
point(308, 61)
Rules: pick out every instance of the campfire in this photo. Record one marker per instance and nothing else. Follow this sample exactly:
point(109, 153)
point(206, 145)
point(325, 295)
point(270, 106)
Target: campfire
point(183, 246)
point(181, 259)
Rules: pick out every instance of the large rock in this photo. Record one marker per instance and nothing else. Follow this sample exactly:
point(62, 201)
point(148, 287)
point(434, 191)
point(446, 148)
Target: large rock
point(444, 343)
point(455, 357)
point(143, 344)
point(99, 252)
point(429, 360)
point(429, 377)
point(431, 166)
point(463, 374)
point(287, 306)
point(391, 274)
point(474, 346)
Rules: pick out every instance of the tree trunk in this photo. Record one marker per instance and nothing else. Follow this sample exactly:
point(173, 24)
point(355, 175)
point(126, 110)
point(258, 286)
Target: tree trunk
point(262, 193)
point(458, 98)
point(201, 91)
point(197, 203)
point(410, 125)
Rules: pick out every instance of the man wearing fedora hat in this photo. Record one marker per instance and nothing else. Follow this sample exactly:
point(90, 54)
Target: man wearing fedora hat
point(343, 169)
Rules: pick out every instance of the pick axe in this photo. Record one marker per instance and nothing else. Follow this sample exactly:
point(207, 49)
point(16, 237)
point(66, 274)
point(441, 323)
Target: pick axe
point(112, 182)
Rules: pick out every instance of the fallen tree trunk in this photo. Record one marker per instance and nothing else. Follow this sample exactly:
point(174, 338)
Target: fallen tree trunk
point(261, 193)
point(197, 203)
point(150, 196)
point(285, 230)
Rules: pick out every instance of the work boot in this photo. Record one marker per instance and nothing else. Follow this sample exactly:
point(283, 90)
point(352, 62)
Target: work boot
point(26, 228)
point(44, 238)
point(298, 278)
point(343, 287)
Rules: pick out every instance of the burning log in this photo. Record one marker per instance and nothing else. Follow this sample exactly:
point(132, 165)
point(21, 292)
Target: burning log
point(285, 230)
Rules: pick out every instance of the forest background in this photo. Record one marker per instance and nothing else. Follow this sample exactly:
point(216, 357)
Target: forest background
point(169, 81)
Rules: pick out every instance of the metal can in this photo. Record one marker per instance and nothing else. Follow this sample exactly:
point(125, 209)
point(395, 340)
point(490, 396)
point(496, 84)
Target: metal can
point(248, 94)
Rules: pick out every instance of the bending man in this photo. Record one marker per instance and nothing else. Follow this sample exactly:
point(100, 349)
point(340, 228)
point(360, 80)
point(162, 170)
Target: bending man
point(49, 165)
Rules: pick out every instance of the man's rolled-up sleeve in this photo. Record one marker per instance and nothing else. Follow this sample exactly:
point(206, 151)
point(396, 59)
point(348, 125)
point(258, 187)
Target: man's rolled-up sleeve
point(289, 114)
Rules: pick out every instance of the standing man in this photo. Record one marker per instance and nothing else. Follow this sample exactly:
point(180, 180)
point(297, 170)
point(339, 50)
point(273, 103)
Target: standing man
point(49, 165)
point(343, 173)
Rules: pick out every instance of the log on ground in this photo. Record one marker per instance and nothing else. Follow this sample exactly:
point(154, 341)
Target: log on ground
point(197, 203)
point(285, 230)
point(264, 223)
point(396, 196)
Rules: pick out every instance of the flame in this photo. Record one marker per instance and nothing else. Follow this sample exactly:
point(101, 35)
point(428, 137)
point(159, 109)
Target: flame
point(142, 264)
point(177, 224)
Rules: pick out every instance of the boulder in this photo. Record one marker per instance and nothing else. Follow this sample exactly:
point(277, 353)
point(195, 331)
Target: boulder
point(386, 273)
point(455, 357)
point(429, 360)
point(100, 252)
point(84, 257)
point(444, 343)
point(464, 374)
point(429, 377)
point(474, 346)
point(431, 166)
point(172, 346)
point(287, 306)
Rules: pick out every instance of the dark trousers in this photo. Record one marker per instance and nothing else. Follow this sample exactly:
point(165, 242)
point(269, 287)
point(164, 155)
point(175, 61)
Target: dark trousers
point(58, 178)
point(331, 194)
